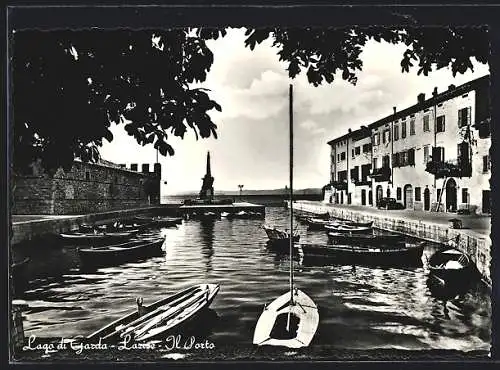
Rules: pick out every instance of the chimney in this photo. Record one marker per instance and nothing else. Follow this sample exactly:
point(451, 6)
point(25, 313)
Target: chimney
point(349, 131)
point(421, 98)
point(133, 167)
point(122, 165)
point(435, 92)
point(145, 168)
point(451, 87)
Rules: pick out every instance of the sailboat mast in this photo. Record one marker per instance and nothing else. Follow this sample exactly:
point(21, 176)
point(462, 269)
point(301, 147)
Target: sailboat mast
point(291, 192)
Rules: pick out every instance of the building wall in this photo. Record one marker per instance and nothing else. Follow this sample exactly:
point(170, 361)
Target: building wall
point(409, 183)
point(86, 188)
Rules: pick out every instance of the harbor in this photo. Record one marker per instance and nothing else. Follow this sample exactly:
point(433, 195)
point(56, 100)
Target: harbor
point(360, 307)
point(349, 221)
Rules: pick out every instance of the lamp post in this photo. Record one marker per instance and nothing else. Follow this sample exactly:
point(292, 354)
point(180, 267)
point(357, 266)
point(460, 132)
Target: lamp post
point(241, 189)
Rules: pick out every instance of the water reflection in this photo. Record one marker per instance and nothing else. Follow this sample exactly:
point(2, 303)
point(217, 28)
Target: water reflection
point(207, 247)
point(360, 307)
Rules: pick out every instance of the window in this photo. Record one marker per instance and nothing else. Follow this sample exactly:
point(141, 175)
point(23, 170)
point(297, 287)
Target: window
point(357, 150)
point(87, 175)
point(376, 139)
point(486, 163)
point(342, 175)
point(418, 194)
point(426, 124)
point(375, 163)
point(367, 148)
point(342, 156)
point(387, 136)
point(438, 154)
point(464, 117)
point(388, 192)
point(355, 173)
point(385, 161)
point(465, 195)
point(352, 151)
point(412, 127)
point(426, 154)
point(403, 129)
point(365, 171)
point(398, 193)
point(396, 132)
point(440, 124)
point(338, 157)
point(411, 157)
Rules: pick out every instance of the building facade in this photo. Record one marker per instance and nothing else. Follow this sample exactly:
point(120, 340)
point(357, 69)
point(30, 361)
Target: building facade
point(86, 188)
point(432, 156)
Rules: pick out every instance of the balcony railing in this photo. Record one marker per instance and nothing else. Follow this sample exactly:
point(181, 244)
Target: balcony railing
point(450, 168)
point(381, 174)
point(339, 185)
point(361, 182)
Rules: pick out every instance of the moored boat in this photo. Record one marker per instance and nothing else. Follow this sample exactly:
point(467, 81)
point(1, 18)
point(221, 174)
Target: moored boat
point(96, 237)
point(279, 238)
point(451, 266)
point(347, 229)
point(365, 239)
point(159, 318)
point(317, 223)
point(120, 253)
point(401, 255)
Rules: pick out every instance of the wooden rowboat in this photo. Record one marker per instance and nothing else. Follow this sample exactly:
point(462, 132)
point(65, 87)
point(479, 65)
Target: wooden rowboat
point(451, 266)
point(120, 253)
point(365, 239)
point(97, 237)
point(346, 229)
point(401, 255)
point(159, 318)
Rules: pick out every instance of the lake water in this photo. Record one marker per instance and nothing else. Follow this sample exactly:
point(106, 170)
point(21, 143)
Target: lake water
point(360, 308)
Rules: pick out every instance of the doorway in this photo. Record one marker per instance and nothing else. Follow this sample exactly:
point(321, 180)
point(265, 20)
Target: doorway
point(363, 197)
point(408, 198)
point(451, 195)
point(427, 199)
point(379, 194)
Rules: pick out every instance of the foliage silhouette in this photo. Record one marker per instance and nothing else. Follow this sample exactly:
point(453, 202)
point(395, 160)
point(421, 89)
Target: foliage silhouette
point(70, 86)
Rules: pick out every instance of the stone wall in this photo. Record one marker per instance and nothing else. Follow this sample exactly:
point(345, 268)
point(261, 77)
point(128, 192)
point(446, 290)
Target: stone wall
point(86, 188)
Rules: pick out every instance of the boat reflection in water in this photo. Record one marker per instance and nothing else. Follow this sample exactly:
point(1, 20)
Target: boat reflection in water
point(207, 235)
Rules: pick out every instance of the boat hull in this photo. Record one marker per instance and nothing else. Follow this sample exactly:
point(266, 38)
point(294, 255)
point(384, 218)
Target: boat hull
point(409, 255)
point(365, 239)
point(304, 310)
point(204, 294)
point(118, 254)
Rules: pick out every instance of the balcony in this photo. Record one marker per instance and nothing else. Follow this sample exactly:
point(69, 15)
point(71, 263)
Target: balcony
point(362, 182)
point(339, 185)
point(451, 168)
point(381, 174)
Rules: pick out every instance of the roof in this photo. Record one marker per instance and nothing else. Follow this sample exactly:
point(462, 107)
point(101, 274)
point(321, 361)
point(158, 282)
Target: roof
point(481, 82)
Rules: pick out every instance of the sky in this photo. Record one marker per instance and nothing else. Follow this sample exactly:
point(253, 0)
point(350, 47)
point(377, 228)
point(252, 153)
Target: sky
point(252, 144)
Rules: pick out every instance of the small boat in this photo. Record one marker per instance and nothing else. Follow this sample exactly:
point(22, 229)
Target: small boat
point(117, 226)
point(317, 223)
point(365, 239)
point(209, 216)
point(400, 255)
point(291, 320)
point(356, 224)
point(161, 317)
point(97, 237)
point(159, 221)
point(346, 229)
point(452, 266)
point(302, 218)
point(279, 238)
point(225, 214)
point(120, 253)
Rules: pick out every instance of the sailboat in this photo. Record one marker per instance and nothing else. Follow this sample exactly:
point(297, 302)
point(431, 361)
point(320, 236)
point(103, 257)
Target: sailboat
point(291, 320)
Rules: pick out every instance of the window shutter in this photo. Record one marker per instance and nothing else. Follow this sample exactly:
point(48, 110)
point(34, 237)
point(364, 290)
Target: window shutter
point(411, 157)
point(395, 160)
point(469, 114)
point(460, 118)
